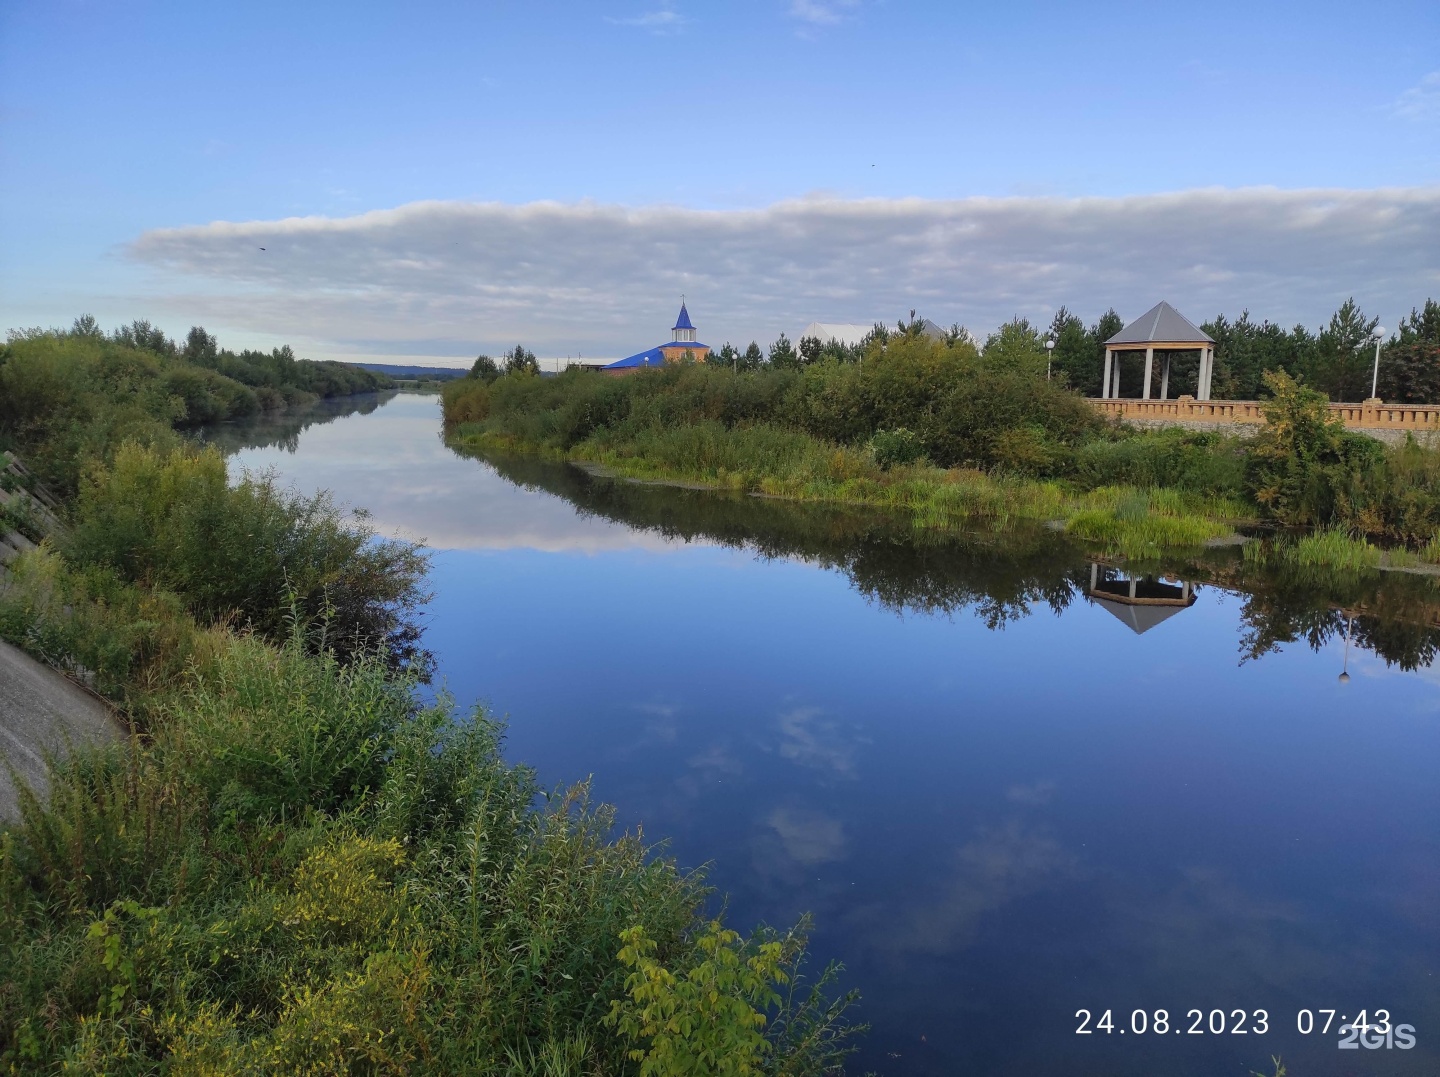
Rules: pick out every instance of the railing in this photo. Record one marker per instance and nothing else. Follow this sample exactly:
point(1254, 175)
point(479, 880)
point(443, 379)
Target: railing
point(1365, 416)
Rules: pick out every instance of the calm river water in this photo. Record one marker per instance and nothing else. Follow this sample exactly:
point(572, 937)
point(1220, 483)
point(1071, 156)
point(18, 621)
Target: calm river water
point(1006, 796)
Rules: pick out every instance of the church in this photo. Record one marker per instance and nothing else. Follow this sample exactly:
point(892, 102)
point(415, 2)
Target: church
point(682, 343)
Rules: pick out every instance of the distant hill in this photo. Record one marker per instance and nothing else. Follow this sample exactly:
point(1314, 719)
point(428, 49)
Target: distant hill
point(434, 373)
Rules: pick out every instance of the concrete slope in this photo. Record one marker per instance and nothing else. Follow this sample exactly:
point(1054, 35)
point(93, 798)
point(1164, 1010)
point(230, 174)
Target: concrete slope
point(40, 712)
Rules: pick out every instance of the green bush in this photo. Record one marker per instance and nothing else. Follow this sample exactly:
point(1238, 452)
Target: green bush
point(302, 870)
point(1304, 468)
point(1202, 463)
point(250, 553)
point(67, 398)
point(896, 447)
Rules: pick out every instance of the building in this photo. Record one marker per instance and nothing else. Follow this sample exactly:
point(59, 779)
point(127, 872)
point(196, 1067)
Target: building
point(1164, 329)
point(682, 344)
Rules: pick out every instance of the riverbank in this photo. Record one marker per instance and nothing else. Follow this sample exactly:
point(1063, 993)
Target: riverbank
point(296, 864)
point(1124, 519)
point(928, 430)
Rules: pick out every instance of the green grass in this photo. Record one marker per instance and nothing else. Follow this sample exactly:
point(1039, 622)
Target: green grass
point(789, 464)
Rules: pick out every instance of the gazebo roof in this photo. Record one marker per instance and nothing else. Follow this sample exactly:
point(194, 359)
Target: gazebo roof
point(1139, 619)
point(1161, 324)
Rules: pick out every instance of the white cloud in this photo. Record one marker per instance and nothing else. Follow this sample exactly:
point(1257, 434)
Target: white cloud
point(821, 12)
point(453, 278)
point(662, 20)
point(1421, 101)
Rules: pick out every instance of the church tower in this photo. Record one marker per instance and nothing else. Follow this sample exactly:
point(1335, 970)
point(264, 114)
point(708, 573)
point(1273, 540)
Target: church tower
point(684, 331)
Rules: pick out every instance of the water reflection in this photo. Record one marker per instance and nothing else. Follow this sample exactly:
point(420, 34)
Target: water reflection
point(282, 429)
point(1005, 577)
point(1002, 801)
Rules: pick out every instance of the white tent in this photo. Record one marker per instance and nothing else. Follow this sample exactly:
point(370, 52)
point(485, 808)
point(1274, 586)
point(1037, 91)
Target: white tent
point(840, 332)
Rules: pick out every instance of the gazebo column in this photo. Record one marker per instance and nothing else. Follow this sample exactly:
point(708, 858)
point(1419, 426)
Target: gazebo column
point(1165, 378)
point(1115, 382)
point(1149, 371)
point(1105, 382)
point(1207, 370)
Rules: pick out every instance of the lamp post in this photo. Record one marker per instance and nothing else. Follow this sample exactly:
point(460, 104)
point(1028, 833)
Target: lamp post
point(1379, 336)
point(1050, 352)
point(1345, 666)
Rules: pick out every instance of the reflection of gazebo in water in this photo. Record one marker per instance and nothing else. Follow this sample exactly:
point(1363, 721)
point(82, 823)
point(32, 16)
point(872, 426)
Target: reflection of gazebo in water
point(1140, 602)
point(1161, 328)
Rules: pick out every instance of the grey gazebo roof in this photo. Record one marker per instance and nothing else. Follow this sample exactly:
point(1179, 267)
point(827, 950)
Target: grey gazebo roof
point(1161, 324)
point(1139, 619)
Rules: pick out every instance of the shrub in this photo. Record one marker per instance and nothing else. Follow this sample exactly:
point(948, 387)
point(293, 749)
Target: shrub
point(896, 447)
point(249, 552)
point(1303, 467)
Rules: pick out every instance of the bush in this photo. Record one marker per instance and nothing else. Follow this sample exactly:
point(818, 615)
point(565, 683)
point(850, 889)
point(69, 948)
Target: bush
point(302, 870)
point(1201, 463)
point(251, 553)
point(896, 447)
point(1304, 468)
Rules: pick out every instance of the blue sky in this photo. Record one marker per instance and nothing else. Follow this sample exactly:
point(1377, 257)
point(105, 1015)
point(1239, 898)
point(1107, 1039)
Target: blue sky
point(120, 119)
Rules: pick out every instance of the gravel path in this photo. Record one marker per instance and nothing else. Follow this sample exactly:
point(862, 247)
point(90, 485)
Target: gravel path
point(40, 712)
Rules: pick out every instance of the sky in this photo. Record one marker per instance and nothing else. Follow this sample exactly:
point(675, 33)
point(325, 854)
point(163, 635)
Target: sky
point(427, 181)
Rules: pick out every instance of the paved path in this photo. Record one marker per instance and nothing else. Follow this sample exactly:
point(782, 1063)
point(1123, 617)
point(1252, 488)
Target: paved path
point(41, 711)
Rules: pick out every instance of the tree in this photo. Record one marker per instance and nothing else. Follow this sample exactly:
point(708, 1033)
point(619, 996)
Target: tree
point(753, 357)
point(1340, 360)
point(1410, 362)
point(1244, 351)
point(783, 354)
point(521, 361)
point(1074, 357)
point(809, 350)
point(200, 347)
point(1015, 346)
point(141, 334)
point(86, 326)
point(728, 356)
point(484, 368)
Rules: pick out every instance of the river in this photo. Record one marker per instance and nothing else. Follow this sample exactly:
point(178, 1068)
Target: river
point(1007, 792)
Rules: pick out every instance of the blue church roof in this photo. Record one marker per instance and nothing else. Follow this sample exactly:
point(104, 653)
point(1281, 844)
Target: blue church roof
point(683, 322)
point(655, 356)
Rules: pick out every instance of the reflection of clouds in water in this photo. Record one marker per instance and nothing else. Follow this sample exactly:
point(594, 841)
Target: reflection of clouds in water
point(393, 463)
point(662, 725)
point(808, 837)
point(1207, 930)
point(813, 741)
point(1370, 666)
point(716, 759)
point(1035, 796)
point(998, 866)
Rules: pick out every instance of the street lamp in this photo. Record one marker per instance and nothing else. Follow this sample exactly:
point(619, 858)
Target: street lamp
point(1345, 666)
point(1379, 336)
point(1050, 352)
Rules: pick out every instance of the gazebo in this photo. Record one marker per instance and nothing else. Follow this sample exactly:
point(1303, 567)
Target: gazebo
point(1138, 602)
point(1161, 328)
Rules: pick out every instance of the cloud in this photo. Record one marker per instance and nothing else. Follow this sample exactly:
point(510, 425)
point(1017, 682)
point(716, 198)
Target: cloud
point(662, 20)
point(450, 278)
point(818, 13)
point(1421, 101)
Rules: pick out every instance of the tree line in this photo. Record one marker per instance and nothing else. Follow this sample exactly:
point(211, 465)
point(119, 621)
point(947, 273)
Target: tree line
point(1336, 359)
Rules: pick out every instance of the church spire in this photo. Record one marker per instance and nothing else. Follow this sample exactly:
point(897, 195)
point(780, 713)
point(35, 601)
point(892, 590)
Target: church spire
point(684, 329)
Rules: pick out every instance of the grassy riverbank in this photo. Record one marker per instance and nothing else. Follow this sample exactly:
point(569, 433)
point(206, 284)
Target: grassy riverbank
point(293, 864)
point(934, 429)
